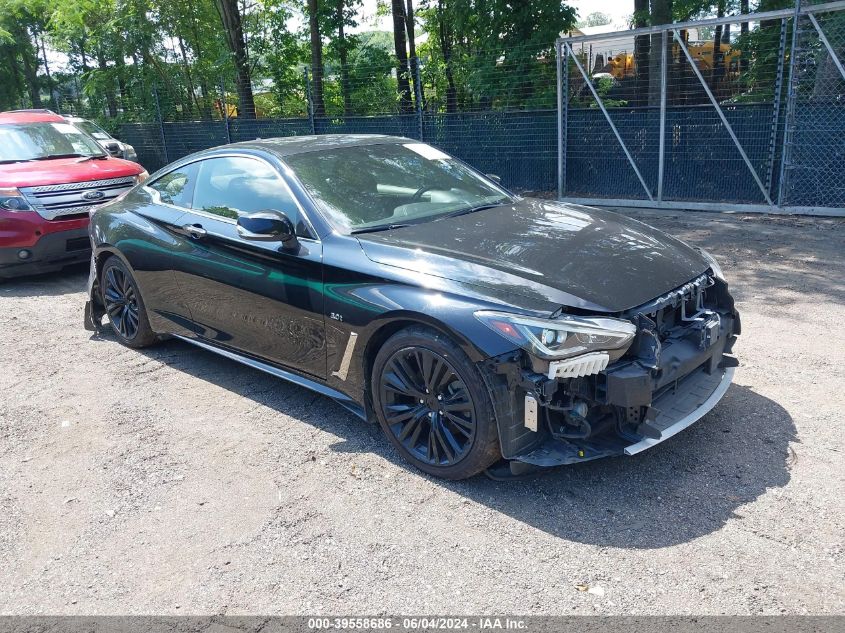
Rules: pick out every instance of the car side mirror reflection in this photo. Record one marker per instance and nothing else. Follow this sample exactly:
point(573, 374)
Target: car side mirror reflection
point(268, 226)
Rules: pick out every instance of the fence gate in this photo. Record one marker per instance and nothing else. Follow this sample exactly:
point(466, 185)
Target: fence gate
point(746, 111)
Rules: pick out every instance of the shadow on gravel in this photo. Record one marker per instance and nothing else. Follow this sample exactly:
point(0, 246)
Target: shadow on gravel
point(685, 488)
point(66, 281)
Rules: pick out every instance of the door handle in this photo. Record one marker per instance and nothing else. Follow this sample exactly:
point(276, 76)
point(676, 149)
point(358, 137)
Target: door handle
point(195, 231)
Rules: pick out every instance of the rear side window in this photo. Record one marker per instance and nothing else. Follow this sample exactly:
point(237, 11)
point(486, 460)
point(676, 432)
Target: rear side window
point(177, 187)
point(232, 186)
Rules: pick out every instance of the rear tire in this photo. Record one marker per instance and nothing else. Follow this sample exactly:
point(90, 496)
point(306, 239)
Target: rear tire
point(124, 305)
point(433, 405)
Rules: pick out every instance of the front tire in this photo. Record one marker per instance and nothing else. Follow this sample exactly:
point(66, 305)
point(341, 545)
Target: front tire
point(432, 404)
point(124, 305)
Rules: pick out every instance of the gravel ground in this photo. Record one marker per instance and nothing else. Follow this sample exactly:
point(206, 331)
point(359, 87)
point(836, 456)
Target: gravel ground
point(172, 481)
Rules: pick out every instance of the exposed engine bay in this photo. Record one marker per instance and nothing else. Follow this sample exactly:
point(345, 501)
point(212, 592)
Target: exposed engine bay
point(595, 405)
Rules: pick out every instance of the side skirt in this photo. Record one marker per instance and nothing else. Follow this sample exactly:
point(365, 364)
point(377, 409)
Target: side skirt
point(342, 399)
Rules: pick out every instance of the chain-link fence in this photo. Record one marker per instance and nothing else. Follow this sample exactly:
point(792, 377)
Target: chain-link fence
point(493, 109)
point(815, 122)
point(744, 111)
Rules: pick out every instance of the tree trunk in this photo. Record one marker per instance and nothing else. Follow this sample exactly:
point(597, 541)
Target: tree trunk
point(29, 61)
point(642, 44)
point(661, 13)
point(399, 44)
point(743, 32)
point(31, 76)
point(122, 87)
point(53, 97)
point(445, 35)
point(13, 99)
point(192, 93)
point(205, 107)
point(316, 61)
point(78, 87)
point(412, 49)
point(104, 68)
point(230, 16)
point(343, 55)
point(717, 71)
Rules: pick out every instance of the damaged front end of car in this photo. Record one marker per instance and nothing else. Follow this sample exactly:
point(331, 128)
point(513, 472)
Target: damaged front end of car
point(585, 387)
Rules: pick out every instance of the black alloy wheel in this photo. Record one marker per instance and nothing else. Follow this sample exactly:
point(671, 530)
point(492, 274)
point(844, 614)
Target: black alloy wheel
point(124, 305)
point(427, 406)
point(433, 405)
point(121, 302)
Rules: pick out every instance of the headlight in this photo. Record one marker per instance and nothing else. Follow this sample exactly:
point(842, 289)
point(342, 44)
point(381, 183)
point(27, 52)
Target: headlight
point(563, 337)
point(129, 152)
point(714, 265)
point(142, 177)
point(11, 199)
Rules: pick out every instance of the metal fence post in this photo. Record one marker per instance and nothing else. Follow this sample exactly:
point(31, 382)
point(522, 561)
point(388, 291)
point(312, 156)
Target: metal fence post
point(309, 100)
point(664, 73)
point(160, 125)
point(561, 120)
point(225, 110)
point(418, 94)
point(773, 137)
point(790, 106)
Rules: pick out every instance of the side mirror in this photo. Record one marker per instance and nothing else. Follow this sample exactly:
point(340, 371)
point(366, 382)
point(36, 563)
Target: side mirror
point(495, 178)
point(267, 226)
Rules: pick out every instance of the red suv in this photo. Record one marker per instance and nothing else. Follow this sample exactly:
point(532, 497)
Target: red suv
point(51, 176)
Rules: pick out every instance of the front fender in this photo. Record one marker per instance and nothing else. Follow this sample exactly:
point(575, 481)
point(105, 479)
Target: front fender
point(374, 311)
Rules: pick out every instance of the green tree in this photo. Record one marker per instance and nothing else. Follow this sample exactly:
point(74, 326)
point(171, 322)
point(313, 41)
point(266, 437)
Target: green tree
point(596, 18)
point(230, 16)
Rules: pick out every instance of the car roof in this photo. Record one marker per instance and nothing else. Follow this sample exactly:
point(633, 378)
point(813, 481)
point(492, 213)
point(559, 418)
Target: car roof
point(30, 116)
point(289, 145)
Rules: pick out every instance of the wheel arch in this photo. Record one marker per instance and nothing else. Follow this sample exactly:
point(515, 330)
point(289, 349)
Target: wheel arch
point(457, 339)
point(391, 323)
point(101, 254)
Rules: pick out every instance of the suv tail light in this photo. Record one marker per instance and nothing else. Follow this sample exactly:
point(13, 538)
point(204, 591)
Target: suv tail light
point(11, 199)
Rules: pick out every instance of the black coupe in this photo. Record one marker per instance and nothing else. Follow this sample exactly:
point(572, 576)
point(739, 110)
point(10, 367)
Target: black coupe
point(482, 330)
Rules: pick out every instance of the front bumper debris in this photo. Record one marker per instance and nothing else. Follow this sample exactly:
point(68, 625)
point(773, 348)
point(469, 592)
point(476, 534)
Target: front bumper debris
point(677, 369)
point(681, 409)
point(94, 311)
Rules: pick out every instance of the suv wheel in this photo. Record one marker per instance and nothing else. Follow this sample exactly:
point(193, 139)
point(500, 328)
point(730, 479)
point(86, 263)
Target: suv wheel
point(124, 305)
point(432, 404)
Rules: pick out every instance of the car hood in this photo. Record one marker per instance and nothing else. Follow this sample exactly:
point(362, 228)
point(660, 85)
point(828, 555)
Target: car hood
point(553, 253)
point(64, 170)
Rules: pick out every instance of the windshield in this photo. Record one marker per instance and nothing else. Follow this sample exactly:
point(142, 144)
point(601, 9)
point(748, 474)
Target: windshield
point(41, 141)
point(93, 129)
point(369, 187)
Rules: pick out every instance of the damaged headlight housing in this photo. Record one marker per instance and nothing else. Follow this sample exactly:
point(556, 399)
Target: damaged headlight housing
point(563, 337)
